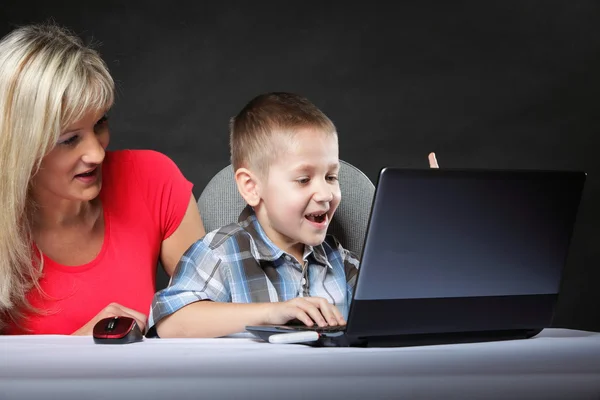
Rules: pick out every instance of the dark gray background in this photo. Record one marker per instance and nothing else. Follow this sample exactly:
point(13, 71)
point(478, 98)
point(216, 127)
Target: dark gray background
point(511, 84)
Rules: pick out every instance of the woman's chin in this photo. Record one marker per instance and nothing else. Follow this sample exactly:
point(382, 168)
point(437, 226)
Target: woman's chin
point(89, 193)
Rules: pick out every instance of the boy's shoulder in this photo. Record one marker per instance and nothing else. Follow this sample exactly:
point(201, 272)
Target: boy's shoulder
point(228, 238)
point(332, 244)
point(334, 248)
point(224, 245)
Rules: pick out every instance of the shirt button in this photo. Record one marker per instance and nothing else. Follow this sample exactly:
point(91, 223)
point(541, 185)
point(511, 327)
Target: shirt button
point(303, 281)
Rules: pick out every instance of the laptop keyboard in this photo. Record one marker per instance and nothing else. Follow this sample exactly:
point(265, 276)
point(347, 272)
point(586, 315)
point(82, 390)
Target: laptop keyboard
point(317, 328)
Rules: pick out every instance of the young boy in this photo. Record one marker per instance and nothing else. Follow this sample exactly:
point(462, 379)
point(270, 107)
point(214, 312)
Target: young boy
point(277, 263)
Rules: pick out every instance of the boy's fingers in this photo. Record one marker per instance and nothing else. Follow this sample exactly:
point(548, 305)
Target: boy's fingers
point(302, 316)
point(433, 161)
point(338, 315)
point(333, 315)
point(313, 312)
point(330, 312)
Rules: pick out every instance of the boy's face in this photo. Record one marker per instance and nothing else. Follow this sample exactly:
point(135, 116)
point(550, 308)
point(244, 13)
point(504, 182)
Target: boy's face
point(301, 192)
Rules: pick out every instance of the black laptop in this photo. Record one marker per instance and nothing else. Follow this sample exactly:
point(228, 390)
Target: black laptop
point(455, 256)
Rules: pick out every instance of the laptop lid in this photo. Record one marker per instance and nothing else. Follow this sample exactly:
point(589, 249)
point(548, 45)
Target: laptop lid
point(463, 251)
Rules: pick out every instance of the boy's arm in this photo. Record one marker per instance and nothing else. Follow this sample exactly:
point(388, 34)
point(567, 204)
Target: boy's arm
point(214, 319)
point(199, 275)
point(197, 302)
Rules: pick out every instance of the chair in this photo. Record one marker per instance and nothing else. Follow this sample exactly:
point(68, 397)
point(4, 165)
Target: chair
point(220, 204)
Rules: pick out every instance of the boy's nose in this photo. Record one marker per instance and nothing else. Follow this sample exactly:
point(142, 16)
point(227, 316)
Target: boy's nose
point(323, 193)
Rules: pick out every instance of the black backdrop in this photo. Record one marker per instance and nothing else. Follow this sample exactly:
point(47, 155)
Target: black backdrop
point(484, 84)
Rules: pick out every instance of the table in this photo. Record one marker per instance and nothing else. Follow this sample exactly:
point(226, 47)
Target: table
point(556, 364)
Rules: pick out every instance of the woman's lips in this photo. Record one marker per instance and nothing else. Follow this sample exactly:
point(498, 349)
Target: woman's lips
point(88, 177)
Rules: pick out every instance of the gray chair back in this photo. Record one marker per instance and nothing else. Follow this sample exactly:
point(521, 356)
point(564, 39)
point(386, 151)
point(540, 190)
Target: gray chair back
point(220, 204)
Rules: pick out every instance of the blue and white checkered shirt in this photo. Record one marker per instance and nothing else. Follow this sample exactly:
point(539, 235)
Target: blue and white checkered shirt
point(238, 263)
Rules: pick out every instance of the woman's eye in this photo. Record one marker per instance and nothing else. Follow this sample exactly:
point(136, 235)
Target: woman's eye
point(70, 141)
point(102, 120)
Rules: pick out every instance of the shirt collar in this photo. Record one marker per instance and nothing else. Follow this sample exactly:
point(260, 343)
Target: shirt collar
point(265, 249)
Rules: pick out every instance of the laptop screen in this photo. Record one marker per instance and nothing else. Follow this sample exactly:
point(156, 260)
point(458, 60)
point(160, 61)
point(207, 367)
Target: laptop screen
point(448, 233)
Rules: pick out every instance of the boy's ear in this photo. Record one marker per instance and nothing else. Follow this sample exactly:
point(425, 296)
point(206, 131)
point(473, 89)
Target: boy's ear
point(248, 186)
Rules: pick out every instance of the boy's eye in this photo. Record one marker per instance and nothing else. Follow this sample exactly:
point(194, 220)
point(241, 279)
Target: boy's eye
point(303, 181)
point(332, 178)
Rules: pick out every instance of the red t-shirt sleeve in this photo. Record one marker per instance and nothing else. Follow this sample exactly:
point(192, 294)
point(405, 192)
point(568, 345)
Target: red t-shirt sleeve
point(164, 190)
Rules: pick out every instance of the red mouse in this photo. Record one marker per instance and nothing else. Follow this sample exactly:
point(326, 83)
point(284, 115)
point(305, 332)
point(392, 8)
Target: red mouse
point(117, 330)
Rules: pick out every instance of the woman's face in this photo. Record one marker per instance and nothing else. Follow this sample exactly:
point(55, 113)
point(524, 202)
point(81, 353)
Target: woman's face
point(73, 169)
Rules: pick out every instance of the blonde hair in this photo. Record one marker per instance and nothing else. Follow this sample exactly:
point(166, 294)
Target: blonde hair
point(253, 131)
point(48, 80)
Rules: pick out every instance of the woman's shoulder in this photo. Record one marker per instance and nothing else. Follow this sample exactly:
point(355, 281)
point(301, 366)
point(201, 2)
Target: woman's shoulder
point(148, 173)
point(141, 164)
point(144, 158)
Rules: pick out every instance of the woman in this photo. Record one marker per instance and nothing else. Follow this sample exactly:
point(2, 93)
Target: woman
point(81, 228)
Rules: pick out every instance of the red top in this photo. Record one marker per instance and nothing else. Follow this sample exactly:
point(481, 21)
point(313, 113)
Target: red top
point(144, 197)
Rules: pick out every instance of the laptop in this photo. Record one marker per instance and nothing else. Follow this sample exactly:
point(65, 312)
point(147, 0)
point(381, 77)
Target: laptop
point(456, 256)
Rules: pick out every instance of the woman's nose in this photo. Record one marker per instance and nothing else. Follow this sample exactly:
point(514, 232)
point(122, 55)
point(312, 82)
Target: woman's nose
point(93, 150)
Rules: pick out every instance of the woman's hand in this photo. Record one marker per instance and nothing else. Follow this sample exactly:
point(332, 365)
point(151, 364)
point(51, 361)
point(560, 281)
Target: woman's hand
point(112, 310)
point(309, 310)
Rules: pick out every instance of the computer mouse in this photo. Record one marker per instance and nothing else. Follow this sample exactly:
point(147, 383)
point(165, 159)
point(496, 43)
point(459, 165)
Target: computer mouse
point(117, 330)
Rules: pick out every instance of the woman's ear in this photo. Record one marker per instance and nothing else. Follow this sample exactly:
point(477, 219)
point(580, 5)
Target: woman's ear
point(248, 186)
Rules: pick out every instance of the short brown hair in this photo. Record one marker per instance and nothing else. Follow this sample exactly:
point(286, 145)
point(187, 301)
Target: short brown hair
point(252, 130)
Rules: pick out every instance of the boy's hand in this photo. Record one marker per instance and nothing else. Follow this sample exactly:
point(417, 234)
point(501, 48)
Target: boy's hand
point(433, 161)
point(309, 310)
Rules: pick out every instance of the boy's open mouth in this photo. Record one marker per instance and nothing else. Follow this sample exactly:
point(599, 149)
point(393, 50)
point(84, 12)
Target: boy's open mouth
point(316, 217)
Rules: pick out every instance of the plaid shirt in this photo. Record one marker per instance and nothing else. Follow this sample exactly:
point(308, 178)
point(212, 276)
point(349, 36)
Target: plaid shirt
point(238, 263)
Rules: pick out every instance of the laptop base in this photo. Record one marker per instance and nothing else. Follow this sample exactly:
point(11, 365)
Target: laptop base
point(341, 339)
point(449, 338)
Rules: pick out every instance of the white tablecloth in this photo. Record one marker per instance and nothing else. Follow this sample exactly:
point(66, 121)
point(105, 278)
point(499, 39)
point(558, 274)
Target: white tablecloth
point(557, 364)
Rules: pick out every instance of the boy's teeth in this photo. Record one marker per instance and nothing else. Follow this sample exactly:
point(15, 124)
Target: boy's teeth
point(316, 217)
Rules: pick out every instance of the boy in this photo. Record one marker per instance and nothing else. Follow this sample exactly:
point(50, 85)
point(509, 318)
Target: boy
point(277, 263)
